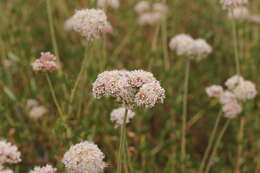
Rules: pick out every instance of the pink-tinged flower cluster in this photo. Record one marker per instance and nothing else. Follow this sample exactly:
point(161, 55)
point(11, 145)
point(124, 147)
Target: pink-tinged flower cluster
point(254, 18)
point(131, 88)
point(9, 153)
point(118, 115)
point(238, 13)
point(46, 63)
point(90, 23)
point(151, 14)
point(238, 90)
point(44, 169)
point(84, 157)
point(35, 111)
point(229, 4)
point(185, 45)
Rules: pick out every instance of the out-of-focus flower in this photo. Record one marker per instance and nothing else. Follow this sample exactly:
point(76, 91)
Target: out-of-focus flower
point(118, 115)
point(84, 157)
point(9, 153)
point(151, 15)
point(150, 94)
point(142, 7)
point(201, 49)
point(31, 103)
point(7, 63)
point(228, 4)
point(231, 109)
point(233, 81)
point(46, 63)
point(227, 97)
point(90, 23)
point(245, 90)
point(214, 91)
point(160, 8)
point(239, 13)
point(182, 44)
point(68, 25)
point(108, 3)
point(44, 169)
point(126, 86)
point(5, 170)
point(108, 29)
point(37, 112)
point(254, 19)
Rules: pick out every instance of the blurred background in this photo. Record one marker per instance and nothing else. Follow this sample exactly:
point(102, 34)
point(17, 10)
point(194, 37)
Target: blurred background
point(153, 134)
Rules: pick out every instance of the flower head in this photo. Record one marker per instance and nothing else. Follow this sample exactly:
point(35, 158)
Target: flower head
point(5, 170)
point(9, 153)
point(227, 97)
point(214, 91)
point(37, 112)
point(231, 109)
point(182, 44)
point(245, 90)
point(44, 169)
point(238, 13)
point(84, 157)
point(142, 7)
point(201, 49)
point(31, 103)
point(90, 23)
point(232, 82)
point(150, 94)
point(254, 19)
point(108, 3)
point(228, 4)
point(118, 115)
point(46, 63)
point(126, 85)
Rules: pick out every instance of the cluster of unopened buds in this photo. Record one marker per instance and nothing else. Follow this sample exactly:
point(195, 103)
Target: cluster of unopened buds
point(46, 63)
point(238, 91)
point(151, 14)
point(131, 88)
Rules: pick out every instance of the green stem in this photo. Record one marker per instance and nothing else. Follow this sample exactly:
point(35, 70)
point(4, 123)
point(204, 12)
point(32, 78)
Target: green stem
point(184, 114)
point(165, 44)
point(122, 144)
point(234, 30)
point(214, 151)
point(211, 139)
point(240, 145)
point(53, 35)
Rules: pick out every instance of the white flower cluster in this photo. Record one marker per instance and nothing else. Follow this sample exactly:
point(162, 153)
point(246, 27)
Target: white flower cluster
point(44, 169)
point(228, 4)
point(9, 153)
point(36, 111)
point(5, 170)
point(151, 14)
point(238, 90)
point(46, 63)
point(132, 88)
point(238, 13)
point(90, 23)
point(185, 45)
point(254, 19)
point(108, 3)
point(84, 157)
point(118, 115)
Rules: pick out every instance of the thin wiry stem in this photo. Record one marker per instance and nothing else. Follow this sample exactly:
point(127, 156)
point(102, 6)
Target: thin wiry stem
point(214, 151)
point(240, 145)
point(234, 30)
point(122, 144)
point(53, 35)
point(211, 139)
point(184, 113)
point(165, 44)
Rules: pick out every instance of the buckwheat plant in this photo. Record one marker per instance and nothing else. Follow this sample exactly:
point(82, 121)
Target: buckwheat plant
point(131, 89)
point(84, 157)
point(237, 92)
point(184, 45)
